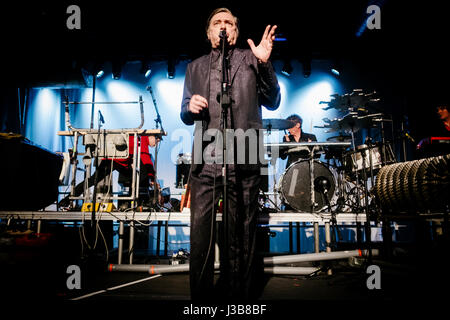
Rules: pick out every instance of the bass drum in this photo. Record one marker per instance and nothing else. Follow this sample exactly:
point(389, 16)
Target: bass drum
point(295, 186)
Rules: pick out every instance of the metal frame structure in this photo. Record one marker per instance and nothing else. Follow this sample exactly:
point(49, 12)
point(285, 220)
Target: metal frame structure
point(267, 218)
point(138, 131)
point(132, 216)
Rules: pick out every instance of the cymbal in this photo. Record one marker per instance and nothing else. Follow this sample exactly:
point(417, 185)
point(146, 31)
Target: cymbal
point(279, 124)
point(351, 122)
point(339, 138)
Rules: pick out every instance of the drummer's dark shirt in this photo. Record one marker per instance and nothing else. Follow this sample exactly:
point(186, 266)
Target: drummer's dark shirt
point(293, 157)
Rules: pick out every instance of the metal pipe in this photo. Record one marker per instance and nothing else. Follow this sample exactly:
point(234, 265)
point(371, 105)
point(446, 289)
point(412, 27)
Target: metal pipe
point(328, 236)
point(133, 178)
point(120, 248)
point(93, 103)
point(308, 257)
point(328, 242)
point(306, 144)
point(157, 269)
point(290, 270)
point(131, 242)
point(316, 237)
point(153, 269)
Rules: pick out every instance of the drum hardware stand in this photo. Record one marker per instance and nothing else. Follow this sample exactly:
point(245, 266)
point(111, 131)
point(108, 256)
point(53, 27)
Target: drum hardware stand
point(340, 201)
point(383, 143)
point(311, 177)
point(267, 198)
point(366, 207)
point(275, 193)
point(358, 203)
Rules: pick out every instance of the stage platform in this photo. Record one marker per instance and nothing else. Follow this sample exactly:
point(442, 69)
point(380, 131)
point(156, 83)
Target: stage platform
point(411, 273)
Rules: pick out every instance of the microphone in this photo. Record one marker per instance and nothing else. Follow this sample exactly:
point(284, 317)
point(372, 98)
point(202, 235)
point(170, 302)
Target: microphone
point(100, 116)
point(149, 88)
point(223, 38)
point(322, 184)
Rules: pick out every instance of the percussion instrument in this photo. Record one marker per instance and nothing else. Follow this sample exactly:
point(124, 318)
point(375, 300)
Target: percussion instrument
point(278, 124)
point(298, 185)
point(366, 157)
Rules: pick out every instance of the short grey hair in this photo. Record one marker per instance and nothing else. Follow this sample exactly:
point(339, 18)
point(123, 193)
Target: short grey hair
point(219, 10)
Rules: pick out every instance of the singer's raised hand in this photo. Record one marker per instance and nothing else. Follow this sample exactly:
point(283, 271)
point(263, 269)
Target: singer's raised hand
point(264, 49)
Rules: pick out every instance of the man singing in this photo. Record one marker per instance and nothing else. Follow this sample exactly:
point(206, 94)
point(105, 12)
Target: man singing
point(251, 83)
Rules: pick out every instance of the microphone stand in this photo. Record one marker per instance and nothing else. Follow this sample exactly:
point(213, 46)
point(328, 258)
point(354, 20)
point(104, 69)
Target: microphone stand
point(158, 122)
point(158, 117)
point(96, 164)
point(322, 185)
point(225, 103)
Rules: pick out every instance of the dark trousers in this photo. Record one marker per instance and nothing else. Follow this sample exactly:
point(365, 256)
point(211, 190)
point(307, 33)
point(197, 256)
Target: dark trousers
point(238, 262)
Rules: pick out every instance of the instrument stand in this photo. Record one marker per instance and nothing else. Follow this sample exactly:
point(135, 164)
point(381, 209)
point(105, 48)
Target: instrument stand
point(158, 122)
point(323, 186)
point(358, 203)
point(366, 207)
point(311, 176)
point(275, 193)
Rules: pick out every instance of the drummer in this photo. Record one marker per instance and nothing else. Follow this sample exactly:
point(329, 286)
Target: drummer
point(296, 135)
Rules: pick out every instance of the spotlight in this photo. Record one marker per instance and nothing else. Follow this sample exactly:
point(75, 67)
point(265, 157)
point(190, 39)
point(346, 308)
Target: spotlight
point(306, 68)
point(145, 69)
point(336, 68)
point(100, 74)
point(287, 68)
point(335, 71)
point(98, 70)
point(116, 70)
point(170, 68)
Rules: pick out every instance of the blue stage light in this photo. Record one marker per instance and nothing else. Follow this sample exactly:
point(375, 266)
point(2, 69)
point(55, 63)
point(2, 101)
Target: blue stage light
point(335, 71)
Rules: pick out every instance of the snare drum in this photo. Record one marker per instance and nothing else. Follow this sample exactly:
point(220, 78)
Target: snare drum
point(357, 161)
point(295, 186)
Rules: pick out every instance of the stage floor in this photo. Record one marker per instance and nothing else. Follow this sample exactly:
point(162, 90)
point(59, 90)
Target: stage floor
point(28, 276)
point(412, 275)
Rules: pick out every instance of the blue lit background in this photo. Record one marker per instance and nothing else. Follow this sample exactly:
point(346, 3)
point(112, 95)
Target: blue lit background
point(300, 95)
point(45, 113)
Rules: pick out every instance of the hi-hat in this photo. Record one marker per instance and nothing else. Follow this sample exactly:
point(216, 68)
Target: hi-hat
point(279, 124)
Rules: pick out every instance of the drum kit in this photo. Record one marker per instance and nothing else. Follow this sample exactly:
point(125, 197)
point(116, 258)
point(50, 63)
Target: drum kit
point(339, 183)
